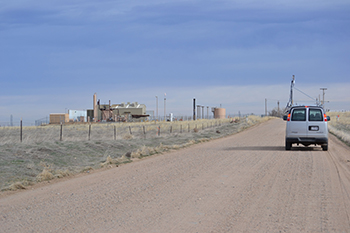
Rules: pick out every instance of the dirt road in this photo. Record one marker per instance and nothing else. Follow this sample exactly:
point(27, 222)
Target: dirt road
point(243, 183)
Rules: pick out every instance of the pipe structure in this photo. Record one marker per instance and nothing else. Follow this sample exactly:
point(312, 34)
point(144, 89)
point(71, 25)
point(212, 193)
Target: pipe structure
point(194, 109)
point(94, 104)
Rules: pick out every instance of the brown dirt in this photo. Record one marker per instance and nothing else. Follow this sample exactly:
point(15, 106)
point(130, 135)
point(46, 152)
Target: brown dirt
point(243, 183)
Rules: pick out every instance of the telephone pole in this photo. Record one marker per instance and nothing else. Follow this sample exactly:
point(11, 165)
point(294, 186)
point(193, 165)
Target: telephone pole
point(164, 106)
point(323, 89)
point(157, 107)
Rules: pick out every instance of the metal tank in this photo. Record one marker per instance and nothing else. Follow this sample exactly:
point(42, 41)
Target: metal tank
point(219, 113)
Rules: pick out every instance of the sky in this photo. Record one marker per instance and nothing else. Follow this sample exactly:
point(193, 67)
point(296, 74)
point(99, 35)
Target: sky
point(54, 55)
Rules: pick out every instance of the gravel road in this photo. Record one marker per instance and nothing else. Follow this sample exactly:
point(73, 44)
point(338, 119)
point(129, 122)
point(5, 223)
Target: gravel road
point(242, 183)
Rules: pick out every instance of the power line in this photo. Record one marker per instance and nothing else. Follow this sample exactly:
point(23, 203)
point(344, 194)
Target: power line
point(305, 94)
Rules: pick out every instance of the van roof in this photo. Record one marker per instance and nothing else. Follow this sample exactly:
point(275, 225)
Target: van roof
point(303, 106)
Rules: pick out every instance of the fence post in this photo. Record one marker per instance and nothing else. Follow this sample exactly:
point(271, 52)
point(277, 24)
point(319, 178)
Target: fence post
point(130, 129)
point(61, 132)
point(89, 131)
point(171, 129)
point(115, 132)
point(144, 130)
point(21, 131)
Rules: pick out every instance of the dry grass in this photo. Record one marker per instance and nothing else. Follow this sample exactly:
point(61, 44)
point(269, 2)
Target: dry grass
point(46, 174)
point(17, 185)
point(102, 131)
point(41, 156)
point(49, 173)
point(340, 127)
point(115, 161)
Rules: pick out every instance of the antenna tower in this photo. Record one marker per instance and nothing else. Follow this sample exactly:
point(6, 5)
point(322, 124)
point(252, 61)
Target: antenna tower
point(290, 102)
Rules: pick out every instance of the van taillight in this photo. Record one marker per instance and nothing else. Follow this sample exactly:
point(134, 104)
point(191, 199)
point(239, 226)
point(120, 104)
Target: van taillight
point(288, 118)
point(325, 117)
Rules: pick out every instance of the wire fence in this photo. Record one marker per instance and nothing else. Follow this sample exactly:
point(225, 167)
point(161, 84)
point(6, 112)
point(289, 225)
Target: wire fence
point(103, 131)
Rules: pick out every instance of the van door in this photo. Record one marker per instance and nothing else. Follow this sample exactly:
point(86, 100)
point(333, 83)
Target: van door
point(298, 124)
point(316, 125)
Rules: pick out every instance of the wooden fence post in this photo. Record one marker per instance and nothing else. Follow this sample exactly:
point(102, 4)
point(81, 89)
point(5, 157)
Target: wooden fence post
point(115, 132)
point(61, 131)
point(89, 131)
point(130, 129)
point(21, 131)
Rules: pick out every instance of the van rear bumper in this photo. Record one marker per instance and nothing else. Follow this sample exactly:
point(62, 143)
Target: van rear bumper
point(305, 140)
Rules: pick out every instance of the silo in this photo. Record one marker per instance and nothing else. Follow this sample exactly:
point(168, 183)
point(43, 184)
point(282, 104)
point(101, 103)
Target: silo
point(219, 113)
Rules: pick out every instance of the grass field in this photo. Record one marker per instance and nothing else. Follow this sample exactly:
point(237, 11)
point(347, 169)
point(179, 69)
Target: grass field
point(101, 131)
point(340, 127)
point(42, 156)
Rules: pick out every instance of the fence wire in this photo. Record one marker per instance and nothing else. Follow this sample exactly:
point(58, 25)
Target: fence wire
point(104, 131)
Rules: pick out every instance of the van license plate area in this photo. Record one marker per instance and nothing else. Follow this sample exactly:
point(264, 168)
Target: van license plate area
point(313, 128)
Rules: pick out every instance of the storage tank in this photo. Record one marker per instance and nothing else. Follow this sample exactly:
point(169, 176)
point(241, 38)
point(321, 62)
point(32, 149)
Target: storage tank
point(219, 113)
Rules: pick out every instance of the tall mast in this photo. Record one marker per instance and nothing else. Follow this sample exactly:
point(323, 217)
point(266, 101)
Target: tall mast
point(291, 101)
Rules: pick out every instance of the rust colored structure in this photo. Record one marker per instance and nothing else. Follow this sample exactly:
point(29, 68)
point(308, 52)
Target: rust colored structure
point(57, 118)
point(219, 113)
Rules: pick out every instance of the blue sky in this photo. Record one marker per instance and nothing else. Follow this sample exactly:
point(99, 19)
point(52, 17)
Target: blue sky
point(54, 55)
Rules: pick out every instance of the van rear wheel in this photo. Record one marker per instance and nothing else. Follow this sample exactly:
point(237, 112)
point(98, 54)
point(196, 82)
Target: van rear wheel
point(288, 145)
point(325, 147)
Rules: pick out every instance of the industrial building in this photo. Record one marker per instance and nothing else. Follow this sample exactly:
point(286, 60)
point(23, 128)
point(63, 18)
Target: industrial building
point(57, 118)
point(71, 116)
point(102, 113)
point(116, 112)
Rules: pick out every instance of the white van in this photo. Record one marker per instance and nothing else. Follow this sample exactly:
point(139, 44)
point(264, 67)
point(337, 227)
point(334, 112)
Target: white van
point(307, 125)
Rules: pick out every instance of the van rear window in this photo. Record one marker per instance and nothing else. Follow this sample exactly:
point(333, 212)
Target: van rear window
point(315, 115)
point(299, 115)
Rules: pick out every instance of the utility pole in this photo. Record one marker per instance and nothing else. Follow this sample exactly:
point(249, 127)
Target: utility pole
point(164, 106)
point(291, 90)
point(157, 107)
point(323, 89)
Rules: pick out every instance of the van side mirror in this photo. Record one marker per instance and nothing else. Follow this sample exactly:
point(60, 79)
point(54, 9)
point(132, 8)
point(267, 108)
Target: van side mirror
point(285, 118)
point(328, 118)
